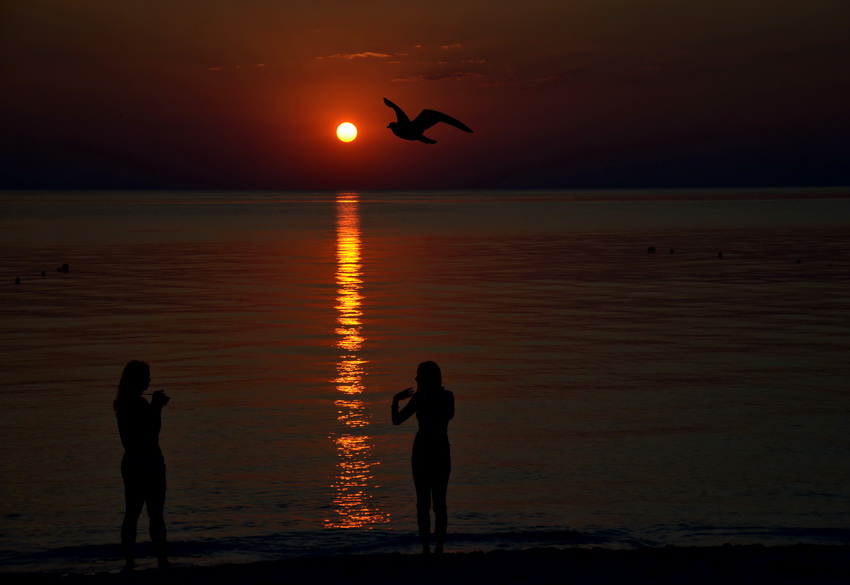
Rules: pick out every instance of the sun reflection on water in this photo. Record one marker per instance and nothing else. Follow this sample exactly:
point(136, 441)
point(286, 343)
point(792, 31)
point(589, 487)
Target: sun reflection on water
point(353, 504)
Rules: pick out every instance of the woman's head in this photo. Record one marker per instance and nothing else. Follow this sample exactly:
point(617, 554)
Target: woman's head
point(428, 376)
point(134, 380)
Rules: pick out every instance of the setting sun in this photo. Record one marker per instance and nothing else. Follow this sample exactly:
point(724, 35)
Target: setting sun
point(346, 131)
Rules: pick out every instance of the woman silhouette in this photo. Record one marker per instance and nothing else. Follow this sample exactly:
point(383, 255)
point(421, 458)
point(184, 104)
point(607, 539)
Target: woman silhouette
point(143, 467)
point(431, 461)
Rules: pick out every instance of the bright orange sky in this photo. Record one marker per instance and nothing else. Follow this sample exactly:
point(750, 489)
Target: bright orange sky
point(247, 94)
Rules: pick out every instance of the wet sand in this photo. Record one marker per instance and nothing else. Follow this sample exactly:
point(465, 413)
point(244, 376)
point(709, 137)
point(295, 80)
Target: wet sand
point(801, 564)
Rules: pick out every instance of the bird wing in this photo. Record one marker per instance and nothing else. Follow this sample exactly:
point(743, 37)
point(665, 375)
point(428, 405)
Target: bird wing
point(399, 113)
point(428, 118)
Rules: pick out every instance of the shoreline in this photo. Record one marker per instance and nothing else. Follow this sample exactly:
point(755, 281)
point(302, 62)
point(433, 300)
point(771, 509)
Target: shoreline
point(809, 564)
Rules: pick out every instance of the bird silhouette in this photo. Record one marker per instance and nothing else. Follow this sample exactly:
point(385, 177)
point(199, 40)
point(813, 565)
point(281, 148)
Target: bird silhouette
point(409, 129)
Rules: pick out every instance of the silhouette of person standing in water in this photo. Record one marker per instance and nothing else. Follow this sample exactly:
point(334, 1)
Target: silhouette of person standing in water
point(431, 460)
point(143, 467)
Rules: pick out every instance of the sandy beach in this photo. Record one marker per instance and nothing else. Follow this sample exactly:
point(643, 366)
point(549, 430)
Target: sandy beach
point(673, 565)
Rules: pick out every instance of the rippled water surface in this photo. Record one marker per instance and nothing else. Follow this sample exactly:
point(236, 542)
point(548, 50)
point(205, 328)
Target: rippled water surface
point(604, 393)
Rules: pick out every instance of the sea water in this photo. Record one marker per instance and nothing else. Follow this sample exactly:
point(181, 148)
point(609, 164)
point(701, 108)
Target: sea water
point(606, 394)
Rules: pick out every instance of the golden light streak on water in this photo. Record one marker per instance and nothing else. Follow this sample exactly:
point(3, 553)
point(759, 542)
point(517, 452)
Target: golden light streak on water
point(353, 503)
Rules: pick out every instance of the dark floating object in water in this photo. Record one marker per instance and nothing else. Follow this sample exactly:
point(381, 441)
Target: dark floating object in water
point(672, 251)
point(720, 254)
point(64, 268)
point(650, 250)
point(18, 280)
point(43, 273)
point(409, 129)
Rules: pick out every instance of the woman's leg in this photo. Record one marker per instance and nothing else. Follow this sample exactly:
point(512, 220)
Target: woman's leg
point(156, 510)
point(421, 481)
point(134, 501)
point(439, 487)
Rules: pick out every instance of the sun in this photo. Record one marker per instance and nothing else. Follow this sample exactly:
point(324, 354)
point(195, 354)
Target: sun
point(346, 131)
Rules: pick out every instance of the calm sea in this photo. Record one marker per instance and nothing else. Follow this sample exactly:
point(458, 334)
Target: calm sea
point(605, 395)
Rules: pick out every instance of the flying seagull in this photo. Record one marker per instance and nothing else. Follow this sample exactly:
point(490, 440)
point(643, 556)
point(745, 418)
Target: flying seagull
point(413, 130)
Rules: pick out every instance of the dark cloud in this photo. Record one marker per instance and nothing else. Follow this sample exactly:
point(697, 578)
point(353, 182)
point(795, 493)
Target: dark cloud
point(351, 56)
point(439, 77)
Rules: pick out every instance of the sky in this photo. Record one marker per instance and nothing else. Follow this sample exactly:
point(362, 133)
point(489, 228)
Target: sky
point(574, 94)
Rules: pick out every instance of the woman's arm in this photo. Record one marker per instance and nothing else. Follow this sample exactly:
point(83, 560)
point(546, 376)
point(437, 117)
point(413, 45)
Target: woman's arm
point(407, 411)
point(450, 405)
